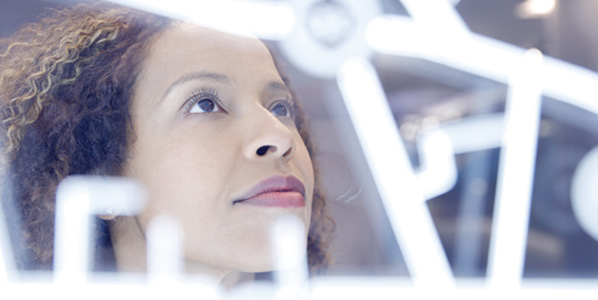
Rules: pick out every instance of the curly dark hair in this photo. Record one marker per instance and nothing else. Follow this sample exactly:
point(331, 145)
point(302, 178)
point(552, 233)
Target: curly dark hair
point(65, 86)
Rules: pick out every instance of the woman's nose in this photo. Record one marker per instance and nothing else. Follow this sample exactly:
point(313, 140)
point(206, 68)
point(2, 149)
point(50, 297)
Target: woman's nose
point(269, 138)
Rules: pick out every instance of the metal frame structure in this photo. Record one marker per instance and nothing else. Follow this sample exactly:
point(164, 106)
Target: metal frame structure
point(433, 32)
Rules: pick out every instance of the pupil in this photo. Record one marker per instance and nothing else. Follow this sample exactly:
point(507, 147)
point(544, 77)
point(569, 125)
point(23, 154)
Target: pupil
point(280, 110)
point(206, 105)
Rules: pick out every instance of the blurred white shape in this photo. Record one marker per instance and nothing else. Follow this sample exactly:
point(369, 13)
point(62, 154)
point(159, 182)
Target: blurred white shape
point(468, 52)
point(359, 288)
point(407, 36)
point(516, 174)
point(418, 37)
point(437, 15)
point(571, 84)
point(330, 23)
point(392, 171)
point(408, 130)
point(77, 199)
point(264, 19)
point(535, 8)
point(164, 251)
point(7, 263)
point(584, 193)
point(319, 44)
point(289, 245)
point(323, 288)
point(438, 170)
point(7, 258)
point(484, 57)
point(102, 291)
point(476, 133)
point(256, 290)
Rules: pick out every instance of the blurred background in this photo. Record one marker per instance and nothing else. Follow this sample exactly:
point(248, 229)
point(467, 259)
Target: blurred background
point(424, 95)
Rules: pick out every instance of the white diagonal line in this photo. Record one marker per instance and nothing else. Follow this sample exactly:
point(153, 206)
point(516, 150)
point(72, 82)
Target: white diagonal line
point(516, 175)
point(393, 174)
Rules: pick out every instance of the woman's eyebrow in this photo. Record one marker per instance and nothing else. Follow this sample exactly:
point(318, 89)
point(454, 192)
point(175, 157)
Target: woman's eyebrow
point(210, 76)
point(275, 86)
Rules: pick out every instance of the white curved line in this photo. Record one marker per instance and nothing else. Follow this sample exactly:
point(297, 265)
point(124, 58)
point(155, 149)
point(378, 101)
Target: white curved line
point(438, 170)
point(482, 56)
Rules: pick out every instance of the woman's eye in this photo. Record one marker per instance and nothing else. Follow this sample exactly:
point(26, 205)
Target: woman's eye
point(281, 109)
point(205, 105)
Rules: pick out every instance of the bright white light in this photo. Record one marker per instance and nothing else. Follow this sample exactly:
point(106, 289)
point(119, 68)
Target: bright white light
point(438, 170)
point(359, 288)
point(392, 171)
point(541, 6)
point(264, 19)
point(584, 193)
point(424, 37)
point(484, 57)
point(476, 133)
point(289, 244)
point(439, 15)
point(391, 288)
point(322, 57)
point(288, 238)
point(164, 251)
point(6, 262)
point(72, 231)
point(516, 174)
point(78, 198)
point(535, 8)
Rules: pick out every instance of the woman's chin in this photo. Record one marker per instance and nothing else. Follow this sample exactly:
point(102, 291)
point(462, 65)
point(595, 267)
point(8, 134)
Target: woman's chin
point(267, 263)
point(257, 262)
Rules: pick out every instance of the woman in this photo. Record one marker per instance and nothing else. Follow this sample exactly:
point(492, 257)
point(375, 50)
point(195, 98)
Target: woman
point(202, 118)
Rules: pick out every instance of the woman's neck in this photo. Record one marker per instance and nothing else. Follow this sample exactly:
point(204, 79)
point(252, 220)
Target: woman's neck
point(129, 244)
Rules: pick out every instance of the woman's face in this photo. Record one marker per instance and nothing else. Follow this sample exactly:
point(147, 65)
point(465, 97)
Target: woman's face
point(215, 144)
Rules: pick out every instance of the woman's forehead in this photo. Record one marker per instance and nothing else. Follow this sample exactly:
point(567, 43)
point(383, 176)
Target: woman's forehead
point(186, 47)
point(211, 38)
point(184, 50)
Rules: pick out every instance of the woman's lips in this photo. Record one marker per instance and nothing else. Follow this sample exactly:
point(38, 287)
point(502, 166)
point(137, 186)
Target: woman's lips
point(277, 191)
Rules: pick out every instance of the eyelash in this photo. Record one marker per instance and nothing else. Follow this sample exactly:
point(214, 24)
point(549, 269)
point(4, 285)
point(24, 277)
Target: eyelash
point(290, 104)
point(202, 94)
point(212, 94)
